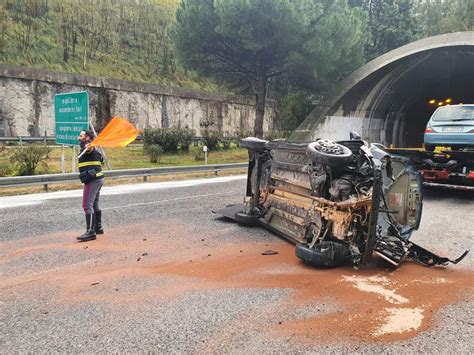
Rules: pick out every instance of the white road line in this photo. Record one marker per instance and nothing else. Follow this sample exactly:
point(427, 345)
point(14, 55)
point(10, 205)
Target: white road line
point(154, 202)
point(168, 200)
point(34, 199)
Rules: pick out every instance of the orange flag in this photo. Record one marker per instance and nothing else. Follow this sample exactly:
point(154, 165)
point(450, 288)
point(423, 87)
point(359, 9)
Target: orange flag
point(118, 133)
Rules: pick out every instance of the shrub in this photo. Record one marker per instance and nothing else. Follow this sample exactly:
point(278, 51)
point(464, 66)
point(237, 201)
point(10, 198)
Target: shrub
point(294, 108)
point(211, 139)
point(185, 138)
point(199, 154)
point(168, 138)
point(27, 158)
point(154, 152)
point(150, 136)
point(226, 142)
point(5, 169)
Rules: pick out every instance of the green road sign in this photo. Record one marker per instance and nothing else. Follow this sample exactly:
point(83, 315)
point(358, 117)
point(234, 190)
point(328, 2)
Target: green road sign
point(71, 115)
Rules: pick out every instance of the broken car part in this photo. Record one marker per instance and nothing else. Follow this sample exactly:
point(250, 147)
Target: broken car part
point(338, 202)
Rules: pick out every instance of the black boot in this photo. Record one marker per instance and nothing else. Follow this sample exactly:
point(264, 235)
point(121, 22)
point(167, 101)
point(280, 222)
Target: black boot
point(90, 232)
point(98, 222)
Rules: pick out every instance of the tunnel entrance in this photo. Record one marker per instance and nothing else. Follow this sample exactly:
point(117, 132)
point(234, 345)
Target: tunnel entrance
point(390, 99)
point(442, 77)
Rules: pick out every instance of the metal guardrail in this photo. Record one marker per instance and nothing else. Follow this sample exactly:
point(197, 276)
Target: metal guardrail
point(28, 139)
point(49, 179)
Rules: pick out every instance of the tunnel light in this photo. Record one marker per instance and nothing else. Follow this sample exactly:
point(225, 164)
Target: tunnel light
point(440, 103)
point(448, 101)
point(432, 101)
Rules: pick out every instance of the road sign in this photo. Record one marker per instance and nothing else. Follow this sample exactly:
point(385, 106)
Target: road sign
point(71, 115)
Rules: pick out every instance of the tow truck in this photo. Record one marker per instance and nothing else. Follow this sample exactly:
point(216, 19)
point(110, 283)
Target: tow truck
point(448, 169)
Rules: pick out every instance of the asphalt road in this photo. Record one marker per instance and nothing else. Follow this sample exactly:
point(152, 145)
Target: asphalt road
point(170, 276)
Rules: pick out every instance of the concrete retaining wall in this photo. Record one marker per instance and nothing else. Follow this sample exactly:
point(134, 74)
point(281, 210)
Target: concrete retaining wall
point(27, 104)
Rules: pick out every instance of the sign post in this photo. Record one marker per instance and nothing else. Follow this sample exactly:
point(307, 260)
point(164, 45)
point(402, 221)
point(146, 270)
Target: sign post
point(71, 116)
point(204, 148)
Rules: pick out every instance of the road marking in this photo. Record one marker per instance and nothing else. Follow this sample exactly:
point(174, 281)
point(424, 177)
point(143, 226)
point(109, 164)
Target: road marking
point(34, 199)
point(155, 202)
point(168, 200)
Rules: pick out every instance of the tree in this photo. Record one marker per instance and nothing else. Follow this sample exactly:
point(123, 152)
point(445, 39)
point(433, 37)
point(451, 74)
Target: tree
point(391, 24)
point(443, 16)
point(246, 43)
point(25, 16)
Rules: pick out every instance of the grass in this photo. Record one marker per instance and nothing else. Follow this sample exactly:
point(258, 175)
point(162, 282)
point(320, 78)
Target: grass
point(130, 157)
point(124, 158)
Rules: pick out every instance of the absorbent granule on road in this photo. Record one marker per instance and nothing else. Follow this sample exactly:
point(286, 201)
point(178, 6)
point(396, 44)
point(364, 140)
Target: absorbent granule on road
point(400, 320)
point(376, 284)
point(315, 306)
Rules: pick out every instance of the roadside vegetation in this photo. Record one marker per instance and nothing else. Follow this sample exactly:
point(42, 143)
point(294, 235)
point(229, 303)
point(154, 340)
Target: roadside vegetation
point(133, 156)
point(158, 147)
point(291, 51)
point(14, 158)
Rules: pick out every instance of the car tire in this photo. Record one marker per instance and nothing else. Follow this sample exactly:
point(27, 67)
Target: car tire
point(328, 152)
point(325, 254)
point(248, 220)
point(429, 147)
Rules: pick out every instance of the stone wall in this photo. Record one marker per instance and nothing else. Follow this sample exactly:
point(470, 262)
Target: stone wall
point(27, 104)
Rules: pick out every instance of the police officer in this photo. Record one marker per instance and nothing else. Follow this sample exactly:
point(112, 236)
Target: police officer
point(91, 175)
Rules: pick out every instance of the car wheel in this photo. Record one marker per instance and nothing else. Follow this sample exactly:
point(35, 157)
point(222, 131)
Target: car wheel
point(249, 220)
point(429, 147)
point(327, 254)
point(328, 152)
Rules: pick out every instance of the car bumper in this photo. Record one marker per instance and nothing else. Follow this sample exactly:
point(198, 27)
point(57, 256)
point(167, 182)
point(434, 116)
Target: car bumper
point(449, 138)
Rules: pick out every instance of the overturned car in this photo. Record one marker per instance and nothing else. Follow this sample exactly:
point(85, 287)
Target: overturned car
point(339, 202)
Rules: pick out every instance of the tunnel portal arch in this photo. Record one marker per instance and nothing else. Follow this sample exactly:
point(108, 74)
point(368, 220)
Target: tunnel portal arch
point(388, 99)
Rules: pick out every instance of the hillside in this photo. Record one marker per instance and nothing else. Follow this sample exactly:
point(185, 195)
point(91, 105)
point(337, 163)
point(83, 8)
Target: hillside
point(117, 39)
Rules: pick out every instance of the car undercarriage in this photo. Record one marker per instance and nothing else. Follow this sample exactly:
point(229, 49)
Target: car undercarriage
point(339, 202)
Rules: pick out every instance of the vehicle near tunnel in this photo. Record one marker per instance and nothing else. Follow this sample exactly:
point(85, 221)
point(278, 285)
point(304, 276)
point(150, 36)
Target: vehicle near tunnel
point(390, 99)
point(451, 126)
point(339, 202)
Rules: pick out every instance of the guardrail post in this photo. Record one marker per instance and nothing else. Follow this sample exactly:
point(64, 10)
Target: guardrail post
point(45, 187)
point(145, 178)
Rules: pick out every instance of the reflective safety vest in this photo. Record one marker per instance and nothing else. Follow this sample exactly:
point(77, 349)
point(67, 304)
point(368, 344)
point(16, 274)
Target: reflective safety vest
point(90, 164)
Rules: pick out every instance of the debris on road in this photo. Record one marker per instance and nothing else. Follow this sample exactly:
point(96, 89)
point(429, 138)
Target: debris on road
point(270, 252)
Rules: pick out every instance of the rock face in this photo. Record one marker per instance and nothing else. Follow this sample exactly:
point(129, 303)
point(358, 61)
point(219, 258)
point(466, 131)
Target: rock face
point(27, 104)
